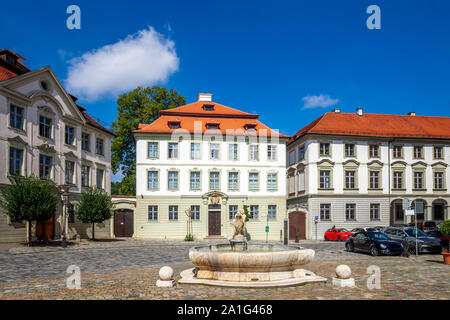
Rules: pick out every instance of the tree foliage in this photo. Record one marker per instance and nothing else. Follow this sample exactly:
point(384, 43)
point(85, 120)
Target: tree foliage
point(445, 228)
point(29, 199)
point(95, 206)
point(142, 105)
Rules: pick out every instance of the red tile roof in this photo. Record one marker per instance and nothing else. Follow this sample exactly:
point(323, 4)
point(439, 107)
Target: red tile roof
point(378, 125)
point(193, 116)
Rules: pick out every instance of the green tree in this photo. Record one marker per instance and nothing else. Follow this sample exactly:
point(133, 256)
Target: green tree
point(142, 105)
point(29, 199)
point(115, 187)
point(445, 228)
point(95, 206)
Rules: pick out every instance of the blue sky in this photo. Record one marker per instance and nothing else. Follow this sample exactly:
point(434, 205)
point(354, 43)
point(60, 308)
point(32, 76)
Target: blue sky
point(258, 56)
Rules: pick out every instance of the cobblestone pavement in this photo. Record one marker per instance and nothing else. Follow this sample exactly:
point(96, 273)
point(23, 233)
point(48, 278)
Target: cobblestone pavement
point(130, 271)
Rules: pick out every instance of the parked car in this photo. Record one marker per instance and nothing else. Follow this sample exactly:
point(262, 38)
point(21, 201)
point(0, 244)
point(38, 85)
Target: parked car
point(375, 243)
point(339, 234)
point(355, 230)
point(445, 240)
point(426, 243)
point(379, 228)
point(429, 226)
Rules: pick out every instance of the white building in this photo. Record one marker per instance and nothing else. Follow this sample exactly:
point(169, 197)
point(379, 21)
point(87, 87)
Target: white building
point(44, 132)
point(353, 170)
point(210, 159)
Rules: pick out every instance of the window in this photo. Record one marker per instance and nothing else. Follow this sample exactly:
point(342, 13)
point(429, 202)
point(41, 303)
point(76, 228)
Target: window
point(86, 141)
point(174, 125)
point(418, 153)
point(195, 150)
point(301, 153)
point(349, 150)
point(250, 127)
point(232, 211)
point(272, 212)
point(173, 212)
point(324, 149)
point(45, 167)
point(398, 151)
point(173, 150)
point(214, 182)
point(272, 153)
point(438, 153)
point(374, 151)
point(152, 150)
point(212, 126)
point(69, 136)
point(254, 152)
point(233, 180)
point(70, 213)
point(16, 117)
point(418, 180)
point(100, 174)
point(325, 213)
point(253, 181)
point(325, 182)
point(45, 127)
point(152, 213)
point(291, 157)
point(172, 180)
point(15, 161)
point(254, 212)
point(208, 107)
point(85, 174)
point(214, 150)
point(374, 211)
point(350, 179)
point(374, 177)
point(70, 171)
point(99, 146)
point(233, 151)
point(398, 212)
point(272, 181)
point(350, 211)
point(398, 180)
point(439, 180)
point(195, 211)
point(195, 180)
point(153, 180)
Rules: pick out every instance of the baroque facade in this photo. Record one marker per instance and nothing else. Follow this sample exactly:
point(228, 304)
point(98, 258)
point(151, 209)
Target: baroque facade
point(212, 160)
point(353, 170)
point(46, 133)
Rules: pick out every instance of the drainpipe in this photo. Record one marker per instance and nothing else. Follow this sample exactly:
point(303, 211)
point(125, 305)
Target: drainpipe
point(389, 179)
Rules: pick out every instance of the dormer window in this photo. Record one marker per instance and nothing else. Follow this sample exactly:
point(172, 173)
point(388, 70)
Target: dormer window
point(250, 127)
point(212, 126)
point(208, 107)
point(10, 59)
point(174, 124)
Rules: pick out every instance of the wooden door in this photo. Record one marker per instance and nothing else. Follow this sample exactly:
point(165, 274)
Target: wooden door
point(49, 228)
point(297, 225)
point(214, 223)
point(123, 223)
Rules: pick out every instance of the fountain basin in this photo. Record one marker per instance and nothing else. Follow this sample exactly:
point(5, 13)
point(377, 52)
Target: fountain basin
point(261, 262)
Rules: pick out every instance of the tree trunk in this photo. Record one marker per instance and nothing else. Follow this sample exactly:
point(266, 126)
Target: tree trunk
point(93, 232)
point(29, 233)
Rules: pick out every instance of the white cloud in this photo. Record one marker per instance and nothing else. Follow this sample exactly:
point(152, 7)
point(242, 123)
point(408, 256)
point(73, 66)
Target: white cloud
point(320, 101)
point(143, 59)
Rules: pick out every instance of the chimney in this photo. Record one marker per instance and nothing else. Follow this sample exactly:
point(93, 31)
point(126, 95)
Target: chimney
point(412, 113)
point(359, 111)
point(336, 110)
point(207, 97)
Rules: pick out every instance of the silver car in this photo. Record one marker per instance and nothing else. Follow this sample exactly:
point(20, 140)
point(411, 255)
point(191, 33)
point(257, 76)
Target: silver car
point(425, 243)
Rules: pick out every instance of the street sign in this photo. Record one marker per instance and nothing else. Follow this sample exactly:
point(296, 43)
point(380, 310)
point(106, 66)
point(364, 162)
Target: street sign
point(405, 203)
point(409, 212)
point(316, 218)
point(267, 228)
point(418, 206)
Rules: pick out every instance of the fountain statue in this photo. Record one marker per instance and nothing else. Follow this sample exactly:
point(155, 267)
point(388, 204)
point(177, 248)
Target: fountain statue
point(239, 264)
point(239, 241)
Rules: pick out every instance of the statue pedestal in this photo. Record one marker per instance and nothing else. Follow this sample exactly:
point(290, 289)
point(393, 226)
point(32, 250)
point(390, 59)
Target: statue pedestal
point(238, 244)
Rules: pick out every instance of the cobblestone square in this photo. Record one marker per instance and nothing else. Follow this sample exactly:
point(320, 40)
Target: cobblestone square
point(129, 270)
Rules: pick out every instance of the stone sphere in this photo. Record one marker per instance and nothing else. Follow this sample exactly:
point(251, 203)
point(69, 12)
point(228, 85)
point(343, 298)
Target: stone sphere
point(166, 273)
point(343, 271)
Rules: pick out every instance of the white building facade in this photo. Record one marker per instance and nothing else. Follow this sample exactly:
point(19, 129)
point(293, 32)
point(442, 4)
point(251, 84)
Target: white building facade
point(354, 170)
point(185, 160)
point(44, 132)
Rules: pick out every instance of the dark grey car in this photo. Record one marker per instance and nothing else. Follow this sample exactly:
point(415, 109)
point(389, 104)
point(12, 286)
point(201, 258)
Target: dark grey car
point(425, 243)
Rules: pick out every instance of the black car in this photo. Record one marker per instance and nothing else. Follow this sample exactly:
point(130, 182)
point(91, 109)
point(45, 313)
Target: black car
point(375, 243)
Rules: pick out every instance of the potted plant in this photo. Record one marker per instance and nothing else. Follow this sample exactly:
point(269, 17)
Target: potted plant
point(445, 230)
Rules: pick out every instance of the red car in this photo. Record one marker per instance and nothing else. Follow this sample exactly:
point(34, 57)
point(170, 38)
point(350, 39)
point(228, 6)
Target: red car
point(339, 234)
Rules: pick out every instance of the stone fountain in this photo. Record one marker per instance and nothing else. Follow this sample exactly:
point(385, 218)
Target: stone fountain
point(239, 264)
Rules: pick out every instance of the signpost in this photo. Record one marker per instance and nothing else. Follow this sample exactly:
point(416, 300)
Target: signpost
point(316, 220)
point(286, 231)
point(418, 208)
